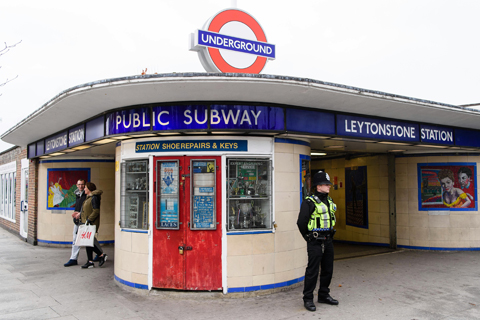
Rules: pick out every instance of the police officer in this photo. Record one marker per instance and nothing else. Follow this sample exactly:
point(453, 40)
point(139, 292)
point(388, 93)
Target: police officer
point(315, 222)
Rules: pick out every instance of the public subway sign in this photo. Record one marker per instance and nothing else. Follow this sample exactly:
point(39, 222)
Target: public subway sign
point(232, 41)
point(377, 128)
point(191, 145)
point(195, 117)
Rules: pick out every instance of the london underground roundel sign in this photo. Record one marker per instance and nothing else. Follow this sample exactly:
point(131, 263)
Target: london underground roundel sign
point(232, 41)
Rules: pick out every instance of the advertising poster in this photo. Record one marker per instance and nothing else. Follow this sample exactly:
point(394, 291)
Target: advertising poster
point(356, 196)
point(247, 170)
point(203, 166)
point(169, 213)
point(61, 186)
point(169, 176)
point(306, 179)
point(203, 195)
point(203, 212)
point(447, 186)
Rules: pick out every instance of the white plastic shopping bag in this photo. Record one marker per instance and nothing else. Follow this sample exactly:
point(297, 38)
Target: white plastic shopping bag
point(85, 235)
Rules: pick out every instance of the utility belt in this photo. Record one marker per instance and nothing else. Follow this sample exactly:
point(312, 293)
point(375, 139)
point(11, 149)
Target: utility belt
point(321, 234)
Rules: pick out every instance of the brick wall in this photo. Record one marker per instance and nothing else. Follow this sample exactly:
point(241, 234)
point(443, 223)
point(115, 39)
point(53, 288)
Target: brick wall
point(11, 154)
point(17, 154)
point(32, 201)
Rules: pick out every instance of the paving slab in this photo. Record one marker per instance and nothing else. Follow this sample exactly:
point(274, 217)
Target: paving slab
point(370, 283)
point(32, 314)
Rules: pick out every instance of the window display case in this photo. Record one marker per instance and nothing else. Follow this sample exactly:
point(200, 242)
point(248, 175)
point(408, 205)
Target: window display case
point(134, 194)
point(249, 198)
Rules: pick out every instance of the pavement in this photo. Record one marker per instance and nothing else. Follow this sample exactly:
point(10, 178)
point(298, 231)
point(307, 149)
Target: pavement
point(384, 284)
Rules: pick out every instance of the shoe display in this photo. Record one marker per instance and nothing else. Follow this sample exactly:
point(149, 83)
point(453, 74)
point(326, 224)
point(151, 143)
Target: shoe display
point(96, 259)
point(102, 259)
point(70, 263)
point(310, 306)
point(328, 300)
point(88, 265)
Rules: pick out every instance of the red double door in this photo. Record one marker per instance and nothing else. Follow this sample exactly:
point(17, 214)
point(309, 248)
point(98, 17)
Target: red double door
point(187, 231)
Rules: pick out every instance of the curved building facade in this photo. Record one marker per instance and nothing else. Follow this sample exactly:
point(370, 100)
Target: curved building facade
point(203, 174)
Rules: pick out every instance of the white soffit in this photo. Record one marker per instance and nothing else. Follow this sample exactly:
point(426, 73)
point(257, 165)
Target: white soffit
point(91, 99)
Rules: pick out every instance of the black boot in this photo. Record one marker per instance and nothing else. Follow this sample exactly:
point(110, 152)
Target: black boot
point(309, 305)
point(328, 300)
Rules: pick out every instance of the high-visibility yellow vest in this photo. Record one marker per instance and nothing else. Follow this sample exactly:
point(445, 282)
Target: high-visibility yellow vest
point(322, 219)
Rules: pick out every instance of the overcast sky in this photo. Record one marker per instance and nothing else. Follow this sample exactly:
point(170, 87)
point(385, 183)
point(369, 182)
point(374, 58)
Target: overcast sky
point(422, 49)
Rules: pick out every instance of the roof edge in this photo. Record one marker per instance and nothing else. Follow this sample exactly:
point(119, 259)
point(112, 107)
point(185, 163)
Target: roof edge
point(306, 81)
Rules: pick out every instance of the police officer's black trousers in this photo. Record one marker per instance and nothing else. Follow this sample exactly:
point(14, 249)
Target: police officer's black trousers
point(318, 259)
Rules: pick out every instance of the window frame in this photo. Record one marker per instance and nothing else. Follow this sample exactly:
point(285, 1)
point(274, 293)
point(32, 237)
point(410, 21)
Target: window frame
point(126, 195)
point(249, 200)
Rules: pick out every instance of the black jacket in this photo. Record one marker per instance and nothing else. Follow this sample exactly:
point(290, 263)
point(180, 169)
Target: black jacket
point(306, 209)
point(78, 203)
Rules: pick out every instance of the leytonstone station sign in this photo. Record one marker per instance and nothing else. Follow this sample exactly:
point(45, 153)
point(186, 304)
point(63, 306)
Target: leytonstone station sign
point(232, 41)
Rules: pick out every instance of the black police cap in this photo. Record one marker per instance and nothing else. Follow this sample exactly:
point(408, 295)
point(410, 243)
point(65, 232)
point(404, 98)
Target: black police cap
point(321, 178)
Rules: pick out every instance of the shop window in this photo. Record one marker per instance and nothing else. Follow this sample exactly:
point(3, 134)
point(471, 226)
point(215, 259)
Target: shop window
point(134, 195)
point(249, 194)
point(8, 195)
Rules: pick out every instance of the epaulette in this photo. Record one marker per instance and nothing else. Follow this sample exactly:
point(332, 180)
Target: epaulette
point(315, 198)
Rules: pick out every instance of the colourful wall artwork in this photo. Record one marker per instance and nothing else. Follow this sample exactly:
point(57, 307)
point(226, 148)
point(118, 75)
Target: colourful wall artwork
point(61, 186)
point(447, 186)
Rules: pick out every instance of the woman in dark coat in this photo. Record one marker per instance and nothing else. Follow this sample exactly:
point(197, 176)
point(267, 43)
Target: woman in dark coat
point(91, 215)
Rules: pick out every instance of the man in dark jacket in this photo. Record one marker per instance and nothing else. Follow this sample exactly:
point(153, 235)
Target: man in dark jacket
point(81, 196)
point(315, 222)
